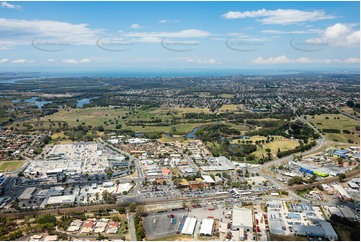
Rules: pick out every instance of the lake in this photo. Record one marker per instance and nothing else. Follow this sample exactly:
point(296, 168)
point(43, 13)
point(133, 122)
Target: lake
point(39, 104)
point(191, 135)
point(81, 102)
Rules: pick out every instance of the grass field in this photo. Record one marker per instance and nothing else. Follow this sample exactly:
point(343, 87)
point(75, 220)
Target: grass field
point(336, 121)
point(230, 108)
point(175, 171)
point(252, 138)
point(178, 111)
point(279, 142)
point(241, 127)
point(226, 95)
point(107, 117)
point(9, 166)
point(75, 117)
point(349, 110)
point(275, 237)
point(181, 139)
point(282, 144)
point(182, 128)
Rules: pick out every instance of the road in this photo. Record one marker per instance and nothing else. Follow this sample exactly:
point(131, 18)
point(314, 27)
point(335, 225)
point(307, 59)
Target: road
point(189, 160)
point(133, 236)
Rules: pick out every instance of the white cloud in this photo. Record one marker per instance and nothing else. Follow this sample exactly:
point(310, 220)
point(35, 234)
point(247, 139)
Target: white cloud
point(280, 16)
point(165, 21)
point(352, 60)
point(11, 6)
point(22, 61)
point(271, 31)
point(272, 60)
point(5, 60)
point(187, 33)
point(70, 61)
point(302, 60)
point(135, 26)
point(338, 35)
point(22, 32)
point(158, 37)
point(74, 61)
point(201, 61)
point(85, 60)
point(51, 60)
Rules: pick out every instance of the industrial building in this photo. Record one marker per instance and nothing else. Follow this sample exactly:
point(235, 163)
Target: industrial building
point(189, 226)
point(61, 200)
point(27, 194)
point(242, 218)
point(220, 163)
point(208, 179)
point(301, 207)
point(335, 211)
point(276, 225)
point(348, 212)
point(343, 194)
point(206, 227)
point(322, 230)
point(353, 185)
point(319, 171)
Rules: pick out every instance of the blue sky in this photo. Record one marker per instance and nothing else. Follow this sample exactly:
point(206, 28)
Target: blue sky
point(64, 36)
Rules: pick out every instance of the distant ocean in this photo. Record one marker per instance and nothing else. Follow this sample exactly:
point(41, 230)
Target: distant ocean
point(167, 73)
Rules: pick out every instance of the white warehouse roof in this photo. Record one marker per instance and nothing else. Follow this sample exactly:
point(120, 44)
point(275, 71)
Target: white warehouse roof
point(207, 226)
point(61, 199)
point(208, 179)
point(189, 226)
point(242, 217)
point(27, 194)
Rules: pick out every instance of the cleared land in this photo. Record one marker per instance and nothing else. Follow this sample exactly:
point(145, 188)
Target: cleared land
point(282, 143)
point(230, 108)
point(278, 143)
point(9, 166)
point(178, 111)
point(337, 121)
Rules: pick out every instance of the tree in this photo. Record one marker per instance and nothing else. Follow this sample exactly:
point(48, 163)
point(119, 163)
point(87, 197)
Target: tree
point(268, 150)
point(132, 207)
point(122, 210)
point(184, 205)
point(107, 197)
point(340, 160)
point(342, 177)
point(46, 219)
